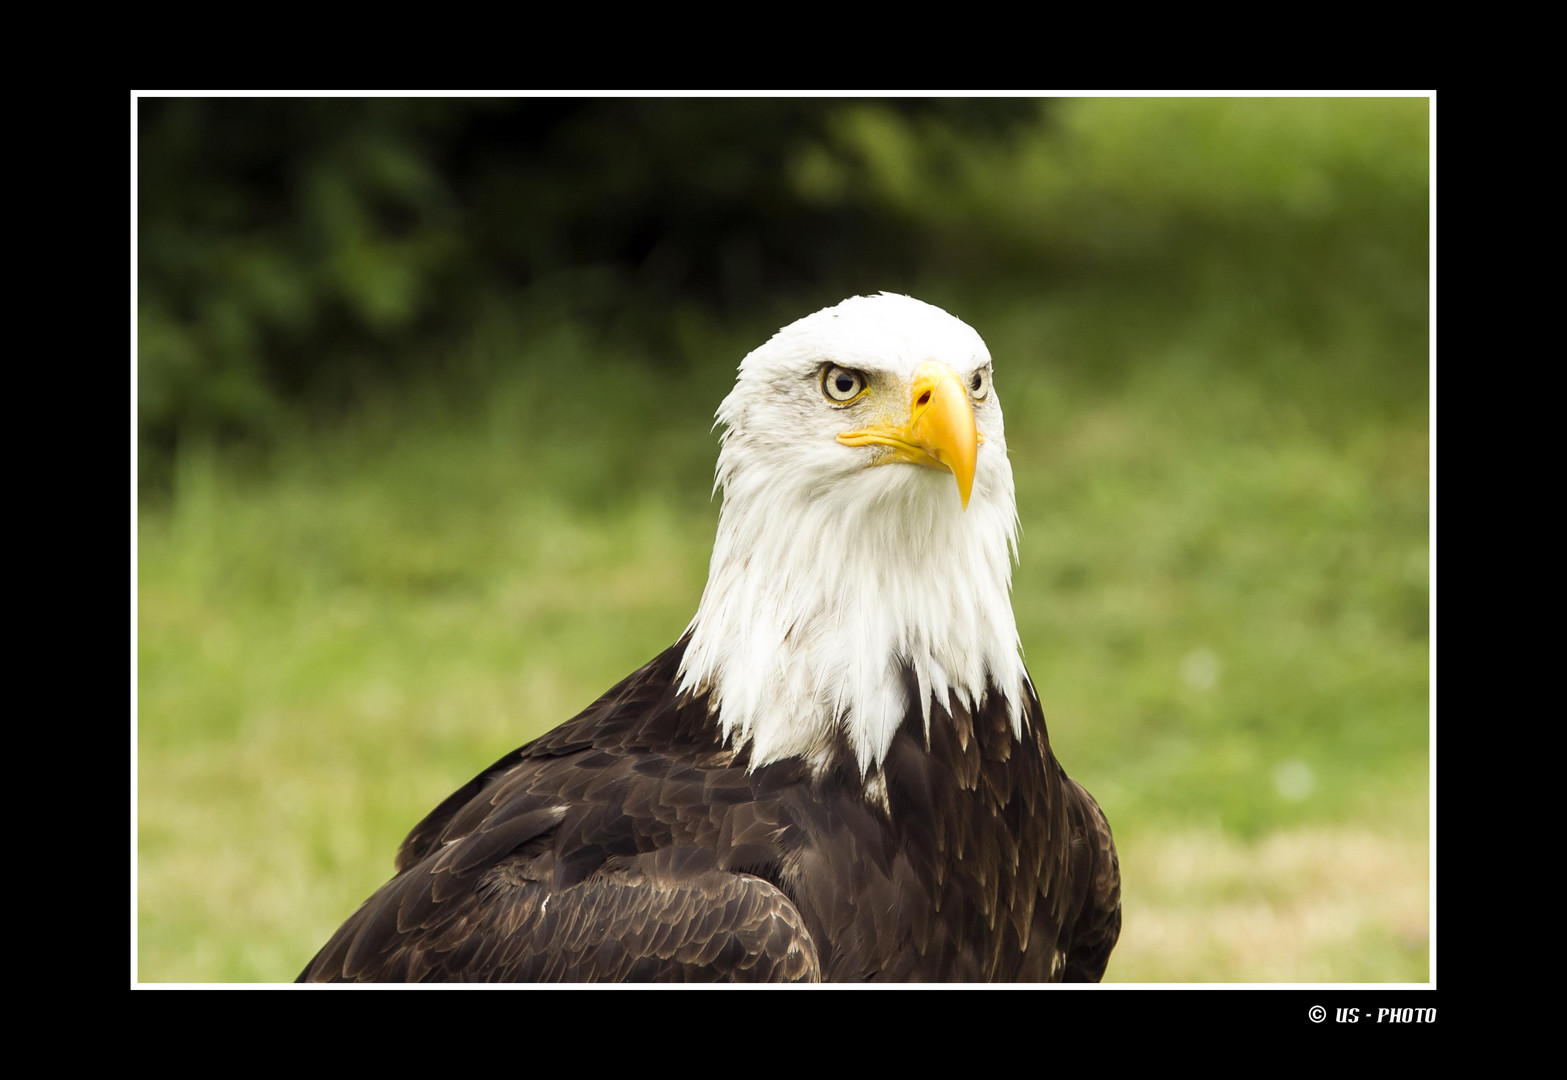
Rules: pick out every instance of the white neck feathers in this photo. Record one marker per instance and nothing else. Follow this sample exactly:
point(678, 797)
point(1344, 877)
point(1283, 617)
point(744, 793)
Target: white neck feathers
point(818, 599)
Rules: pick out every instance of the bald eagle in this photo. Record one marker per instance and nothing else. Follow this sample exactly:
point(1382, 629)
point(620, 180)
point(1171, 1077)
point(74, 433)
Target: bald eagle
point(839, 772)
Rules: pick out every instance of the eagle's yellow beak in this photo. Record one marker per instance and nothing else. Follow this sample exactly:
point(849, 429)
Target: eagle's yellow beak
point(938, 430)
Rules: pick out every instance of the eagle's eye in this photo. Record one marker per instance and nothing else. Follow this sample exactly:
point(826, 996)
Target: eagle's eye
point(979, 384)
point(841, 385)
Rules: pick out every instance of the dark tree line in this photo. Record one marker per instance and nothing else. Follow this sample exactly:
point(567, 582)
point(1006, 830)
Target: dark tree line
point(293, 249)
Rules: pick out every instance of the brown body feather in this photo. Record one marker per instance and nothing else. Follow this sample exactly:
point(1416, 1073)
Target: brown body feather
point(629, 844)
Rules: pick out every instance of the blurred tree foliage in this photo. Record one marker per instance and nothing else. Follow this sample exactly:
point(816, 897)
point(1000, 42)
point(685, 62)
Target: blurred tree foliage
point(293, 251)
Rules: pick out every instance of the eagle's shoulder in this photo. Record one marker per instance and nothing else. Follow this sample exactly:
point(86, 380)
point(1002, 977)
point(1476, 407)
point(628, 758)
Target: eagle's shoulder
point(626, 844)
point(639, 720)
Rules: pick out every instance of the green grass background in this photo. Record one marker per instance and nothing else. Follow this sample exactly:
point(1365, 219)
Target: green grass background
point(1217, 409)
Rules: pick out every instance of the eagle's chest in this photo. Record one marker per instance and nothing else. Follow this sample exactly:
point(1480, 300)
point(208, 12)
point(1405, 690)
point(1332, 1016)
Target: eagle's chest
point(947, 877)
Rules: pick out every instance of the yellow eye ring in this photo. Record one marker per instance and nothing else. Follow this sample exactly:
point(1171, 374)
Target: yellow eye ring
point(841, 385)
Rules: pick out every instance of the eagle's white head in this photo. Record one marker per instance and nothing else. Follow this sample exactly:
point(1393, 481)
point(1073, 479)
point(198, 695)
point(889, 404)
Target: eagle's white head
point(868, 527)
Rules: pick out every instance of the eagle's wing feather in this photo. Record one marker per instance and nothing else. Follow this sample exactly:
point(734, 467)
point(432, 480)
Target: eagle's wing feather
point(1097, 873)
point(665, 916)
point(587, 855)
